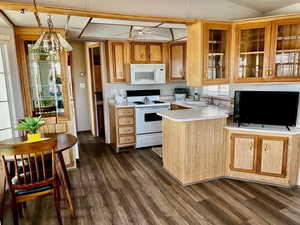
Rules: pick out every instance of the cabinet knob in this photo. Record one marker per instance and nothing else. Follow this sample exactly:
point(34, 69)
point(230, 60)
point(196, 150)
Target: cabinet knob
point(251, 145)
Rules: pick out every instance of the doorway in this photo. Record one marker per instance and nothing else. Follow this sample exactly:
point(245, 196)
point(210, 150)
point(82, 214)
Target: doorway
point(97, 90)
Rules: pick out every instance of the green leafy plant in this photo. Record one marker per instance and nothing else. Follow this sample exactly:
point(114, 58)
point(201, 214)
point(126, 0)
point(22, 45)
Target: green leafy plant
point(31, 124)
point(181, 91)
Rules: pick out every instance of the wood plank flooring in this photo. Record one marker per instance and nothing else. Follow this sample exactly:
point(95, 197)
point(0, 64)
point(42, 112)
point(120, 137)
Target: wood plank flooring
point(133, 188)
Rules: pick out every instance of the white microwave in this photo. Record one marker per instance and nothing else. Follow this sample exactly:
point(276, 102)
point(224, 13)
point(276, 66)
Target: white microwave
point(148, 73)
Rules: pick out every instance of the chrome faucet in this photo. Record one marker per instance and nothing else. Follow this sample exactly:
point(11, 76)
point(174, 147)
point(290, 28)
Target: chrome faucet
point(211, 101)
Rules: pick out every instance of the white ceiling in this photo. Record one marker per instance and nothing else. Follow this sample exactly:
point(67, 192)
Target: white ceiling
point(111, 29)
point(218, 9)
point(265, 5)
point(99, 28)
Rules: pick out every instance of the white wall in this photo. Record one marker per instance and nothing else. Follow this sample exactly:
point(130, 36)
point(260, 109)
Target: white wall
point(80, 92)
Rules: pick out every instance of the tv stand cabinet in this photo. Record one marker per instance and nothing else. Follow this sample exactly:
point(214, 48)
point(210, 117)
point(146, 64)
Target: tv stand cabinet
point(268, 154)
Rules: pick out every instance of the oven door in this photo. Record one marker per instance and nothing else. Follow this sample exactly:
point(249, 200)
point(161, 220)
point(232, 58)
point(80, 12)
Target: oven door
point(147, 120)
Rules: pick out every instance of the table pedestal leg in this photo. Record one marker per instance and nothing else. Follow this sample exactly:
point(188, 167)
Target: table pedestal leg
point(66, 190)
point(64, 169)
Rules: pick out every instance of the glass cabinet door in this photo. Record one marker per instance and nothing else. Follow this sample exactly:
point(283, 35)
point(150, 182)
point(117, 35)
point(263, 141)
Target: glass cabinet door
point(253, 51)
point(285, 58)
point(216, 53)
point(45, 83)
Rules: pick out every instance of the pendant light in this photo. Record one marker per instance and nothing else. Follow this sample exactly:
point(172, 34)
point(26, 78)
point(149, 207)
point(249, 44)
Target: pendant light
point(51, 42)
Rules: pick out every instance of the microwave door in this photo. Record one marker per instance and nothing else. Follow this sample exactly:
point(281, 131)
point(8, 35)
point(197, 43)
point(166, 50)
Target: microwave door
point(144, 77)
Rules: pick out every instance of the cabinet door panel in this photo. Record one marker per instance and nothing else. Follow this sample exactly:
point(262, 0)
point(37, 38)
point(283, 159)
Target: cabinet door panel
point(216, 53)
point(117, 59)
point(252, 57)
point(285, 50)
point(177, 61)
point(273, 156)
point(243, 153)
point(155, 52)
point(139, 52)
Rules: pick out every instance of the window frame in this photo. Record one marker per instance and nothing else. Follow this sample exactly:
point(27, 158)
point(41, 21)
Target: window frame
point(8, 83)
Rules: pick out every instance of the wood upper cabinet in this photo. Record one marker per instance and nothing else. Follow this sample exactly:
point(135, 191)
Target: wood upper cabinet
point(208, 53)
point(243, 153)
point(118, 61)
point(285, 50)
point(264, 155)
point(252, 52)
point(146, 52)
point(139, 52)
point(216, 47)
point(177, 58)
point(273, 156)
point(155, 52)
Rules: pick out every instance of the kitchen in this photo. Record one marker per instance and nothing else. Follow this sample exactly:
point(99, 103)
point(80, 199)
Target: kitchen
point(179, 120)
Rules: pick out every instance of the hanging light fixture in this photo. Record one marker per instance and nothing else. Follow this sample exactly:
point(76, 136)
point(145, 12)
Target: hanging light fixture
point(51, 42)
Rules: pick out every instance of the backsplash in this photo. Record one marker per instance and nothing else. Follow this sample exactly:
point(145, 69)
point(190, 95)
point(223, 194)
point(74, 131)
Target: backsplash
point(165, 89)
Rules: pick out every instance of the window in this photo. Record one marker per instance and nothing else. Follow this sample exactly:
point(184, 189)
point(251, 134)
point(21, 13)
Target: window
point(216, 90)
point(5, 109)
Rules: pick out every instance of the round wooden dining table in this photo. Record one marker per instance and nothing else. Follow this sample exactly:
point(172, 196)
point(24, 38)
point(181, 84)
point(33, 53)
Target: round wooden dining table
point(64, 141)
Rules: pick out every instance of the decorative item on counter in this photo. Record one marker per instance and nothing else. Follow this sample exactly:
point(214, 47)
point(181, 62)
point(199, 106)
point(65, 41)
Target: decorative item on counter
point(196, 97)
point(181, 93)
point(32, 125)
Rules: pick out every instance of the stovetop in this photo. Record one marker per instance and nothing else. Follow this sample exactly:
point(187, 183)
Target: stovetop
point(150, 103)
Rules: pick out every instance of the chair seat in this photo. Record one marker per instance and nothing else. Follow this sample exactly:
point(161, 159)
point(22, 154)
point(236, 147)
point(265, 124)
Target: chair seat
point(34, 190)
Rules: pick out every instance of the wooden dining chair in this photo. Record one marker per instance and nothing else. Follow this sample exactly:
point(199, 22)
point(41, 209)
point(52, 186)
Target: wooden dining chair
point(36, 180)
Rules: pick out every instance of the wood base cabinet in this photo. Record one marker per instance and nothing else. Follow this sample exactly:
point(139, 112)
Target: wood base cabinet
point(265, 157)
point(122, 127)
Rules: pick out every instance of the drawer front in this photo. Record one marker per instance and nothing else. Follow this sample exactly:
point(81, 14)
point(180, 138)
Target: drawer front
point(126, 121)
point(126, 140)
point(126, 112)
point(126, 130)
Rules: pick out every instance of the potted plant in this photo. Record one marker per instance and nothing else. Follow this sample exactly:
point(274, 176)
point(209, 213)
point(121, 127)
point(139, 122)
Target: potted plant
point(181, 93)
point(31, 125)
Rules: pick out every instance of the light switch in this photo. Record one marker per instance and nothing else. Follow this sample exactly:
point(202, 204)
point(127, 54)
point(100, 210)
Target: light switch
point(82, 85)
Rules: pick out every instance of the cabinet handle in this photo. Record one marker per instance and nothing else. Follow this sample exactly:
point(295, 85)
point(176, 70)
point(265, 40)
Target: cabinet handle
point(251, 145)
point(266, 147)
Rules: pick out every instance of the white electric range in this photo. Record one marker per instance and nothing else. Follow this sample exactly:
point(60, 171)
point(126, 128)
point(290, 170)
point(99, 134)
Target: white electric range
point(148, 123)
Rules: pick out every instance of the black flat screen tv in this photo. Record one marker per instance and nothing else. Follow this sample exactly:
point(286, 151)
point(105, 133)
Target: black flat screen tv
point(266, 107)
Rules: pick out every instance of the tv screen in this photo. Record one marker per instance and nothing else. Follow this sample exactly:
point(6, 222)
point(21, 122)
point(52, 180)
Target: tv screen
point(266, 107)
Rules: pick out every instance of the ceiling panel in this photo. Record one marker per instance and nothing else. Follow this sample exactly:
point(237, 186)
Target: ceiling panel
point(125, 22)
point(59, 21)
point(179, 33)
point(106, 31)
point(27, 19)
point(172, 25)
point(78, 22)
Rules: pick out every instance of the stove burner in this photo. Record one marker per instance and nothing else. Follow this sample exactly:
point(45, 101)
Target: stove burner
point(139, 103)
point(157, 102)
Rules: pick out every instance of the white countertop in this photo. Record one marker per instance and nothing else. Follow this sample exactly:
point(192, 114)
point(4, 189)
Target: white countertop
point(121, 105)
point(194, 114)
point(266, 129)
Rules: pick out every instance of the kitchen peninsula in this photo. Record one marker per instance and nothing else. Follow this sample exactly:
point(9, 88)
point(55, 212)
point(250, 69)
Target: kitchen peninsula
point(193, 143)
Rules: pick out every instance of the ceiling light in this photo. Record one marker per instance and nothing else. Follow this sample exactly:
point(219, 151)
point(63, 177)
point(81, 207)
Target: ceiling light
point(51, 42)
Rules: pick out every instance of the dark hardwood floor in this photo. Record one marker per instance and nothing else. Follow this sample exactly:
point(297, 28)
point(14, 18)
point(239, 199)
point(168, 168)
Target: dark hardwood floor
point(133, 188)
